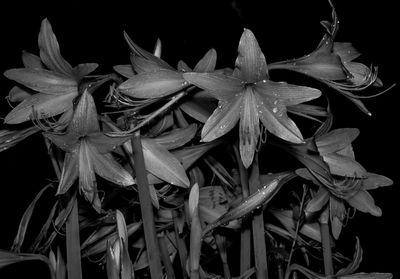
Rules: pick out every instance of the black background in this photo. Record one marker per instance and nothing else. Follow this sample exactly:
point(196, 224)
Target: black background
point(284, 29)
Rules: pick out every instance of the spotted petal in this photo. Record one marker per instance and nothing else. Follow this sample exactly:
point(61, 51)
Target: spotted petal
point(250, 63)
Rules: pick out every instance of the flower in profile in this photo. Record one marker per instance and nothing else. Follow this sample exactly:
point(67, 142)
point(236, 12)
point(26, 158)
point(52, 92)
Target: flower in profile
point(49, 82)
point(332, 63)
point(88, 152)
point(249, 96)
point(347, 181)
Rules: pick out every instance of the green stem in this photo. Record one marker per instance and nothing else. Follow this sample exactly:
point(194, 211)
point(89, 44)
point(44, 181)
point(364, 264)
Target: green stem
point(150, 236)
point(326, 242)
point(245, 236)
point(54, 161)
point(74, 265)
point(182, 251)
point(260, 250)
point(165, 256)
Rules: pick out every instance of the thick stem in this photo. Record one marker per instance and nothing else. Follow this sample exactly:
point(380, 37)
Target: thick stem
point(150, 236)
point(180, 241)
point(245, 236)
point(260, 250)
point(74, 265)
point(326, 242)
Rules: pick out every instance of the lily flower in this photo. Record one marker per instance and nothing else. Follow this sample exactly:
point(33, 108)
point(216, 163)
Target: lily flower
point(332, 63)
point(54, 87)
point(88, 152)
point(347, 181)
point(250, 96)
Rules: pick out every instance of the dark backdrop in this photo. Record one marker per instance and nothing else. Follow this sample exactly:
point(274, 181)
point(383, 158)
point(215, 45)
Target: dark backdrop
point(284, 29)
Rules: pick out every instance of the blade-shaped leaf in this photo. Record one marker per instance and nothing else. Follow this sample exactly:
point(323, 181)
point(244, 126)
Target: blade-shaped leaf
point(153, 84)
point(163, 164)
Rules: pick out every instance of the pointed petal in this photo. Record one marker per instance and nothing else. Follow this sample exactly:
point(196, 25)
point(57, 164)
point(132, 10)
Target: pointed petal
point(84, 69)
point(84, 121)
point(207, 63)
point(163, 164)
point(44, 105)
point(141, 65)
point(153, 84)
point(318, 201)
point(219, 85)
point(250, 64)
point(177, 137)
point(336, 140)
point(50, 50)
point(31, 61)
point(43, 81)
point(337, 215)
point(249, 128)
point(346, 51)
point(189, 155)
point(287, 94)
point(124, 70)
point(183, 67)
point(198, 107)
point(344, 166)
point(104, 143)
point(364, 202)
point(18, 94)
point(275, 120)
point(69, 172)
point(145, 54)
point(223, 119)
point(360, 73)
point(66, 142)
point(374, 181)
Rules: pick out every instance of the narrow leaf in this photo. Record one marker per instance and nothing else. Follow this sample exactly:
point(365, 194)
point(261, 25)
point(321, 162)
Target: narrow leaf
point(74, 267)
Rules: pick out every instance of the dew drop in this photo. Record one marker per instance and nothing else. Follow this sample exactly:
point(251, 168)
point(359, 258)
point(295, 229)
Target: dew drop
point(275, 102)
point(275, 110)
point(264, 80)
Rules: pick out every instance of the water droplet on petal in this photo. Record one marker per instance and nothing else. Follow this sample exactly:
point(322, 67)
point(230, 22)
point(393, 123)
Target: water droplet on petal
point(264, 80)
point(275, 102)
point(275, 110)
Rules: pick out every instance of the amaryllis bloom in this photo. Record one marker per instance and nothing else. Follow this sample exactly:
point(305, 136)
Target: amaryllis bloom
point(347, 180)
point(49, 82)
point(88, 152)
point(249, 96)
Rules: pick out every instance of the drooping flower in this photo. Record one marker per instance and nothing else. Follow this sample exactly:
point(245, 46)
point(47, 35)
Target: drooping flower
point(249, 96)
point(88, 152)
point(347, 181)
point(49, 82)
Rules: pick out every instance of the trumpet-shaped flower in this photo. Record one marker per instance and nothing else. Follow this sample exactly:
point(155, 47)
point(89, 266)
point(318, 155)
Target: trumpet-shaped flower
point(53, 88)
point(248, 96)
point(88, 152)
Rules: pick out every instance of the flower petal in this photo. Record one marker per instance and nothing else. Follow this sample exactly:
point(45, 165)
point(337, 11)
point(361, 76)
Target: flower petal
point(346, 51)
point(364, 202)
point(318, 201)
point(84, 121)
point(189, 155)
point(344, 166)
point(199, 107)
point(374, 181)
point(163, 164)
point(104, 143)
point(31, 61)
point(223, 119)
point(249, 128)
point(69, 172)
point(250, 64)
point(84, 69)
point(183, 67)
point(336, 140)
point(106, 166)
point(337, 215)
point(219, 85)
point(50, 51)
point(124, 70)
point(18, 94)
point(66, 142)
point(177, 137)
point(43, 81)
point(153, 84)
point(207, 63)
point(287, 94)
point(44, 105)
point(275, 120)
point(141, 65)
